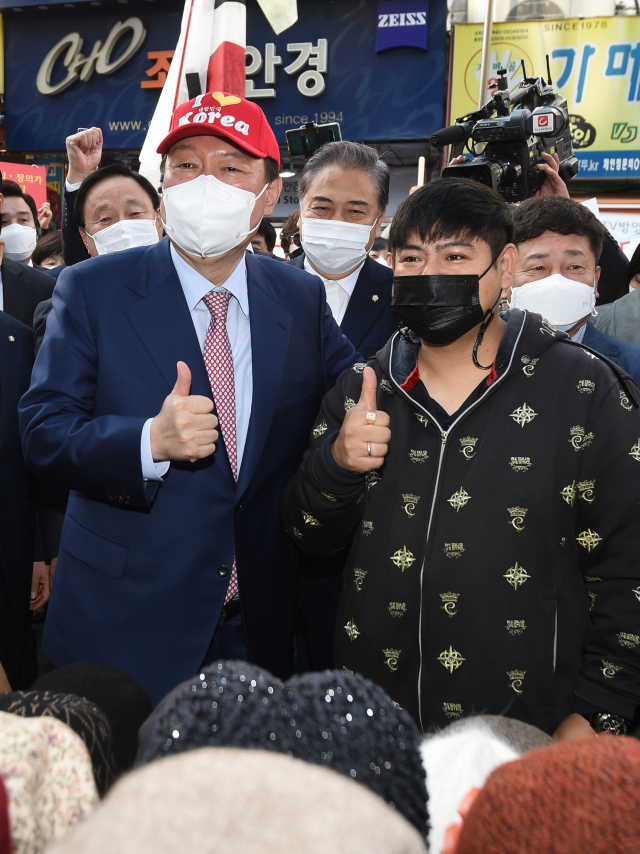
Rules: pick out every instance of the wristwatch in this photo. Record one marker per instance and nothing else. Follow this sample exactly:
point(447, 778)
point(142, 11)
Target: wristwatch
point(606, 722)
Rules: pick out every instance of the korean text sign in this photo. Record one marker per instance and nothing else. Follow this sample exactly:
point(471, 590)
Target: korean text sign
point(595, 64)
point(106, 66)
point(32, 179)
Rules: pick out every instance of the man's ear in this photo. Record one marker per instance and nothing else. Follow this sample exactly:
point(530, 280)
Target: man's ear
point(379, 223)
point(272, 194)
point(595, 286)
point(1, 201)
point(454, 831)
point(159, 224)
point(83, 235)
point(508, 262)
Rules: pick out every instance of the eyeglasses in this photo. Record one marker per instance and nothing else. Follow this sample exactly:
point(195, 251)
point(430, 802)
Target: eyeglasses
point(295, 238)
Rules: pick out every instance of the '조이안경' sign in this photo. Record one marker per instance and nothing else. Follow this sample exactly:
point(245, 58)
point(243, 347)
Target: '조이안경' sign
point(595, 64)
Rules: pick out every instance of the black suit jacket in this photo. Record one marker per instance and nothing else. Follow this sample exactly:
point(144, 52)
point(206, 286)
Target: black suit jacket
point(16, 508)
point(51, 498)
point(614, 264)
point(368, 323)
point(23, 288)
point(73, 249)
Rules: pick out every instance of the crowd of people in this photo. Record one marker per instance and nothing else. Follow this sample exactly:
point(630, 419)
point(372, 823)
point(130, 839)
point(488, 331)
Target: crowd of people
point(336, 550)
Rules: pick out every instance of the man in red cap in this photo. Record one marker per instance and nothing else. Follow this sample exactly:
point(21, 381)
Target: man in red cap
point(174, 394)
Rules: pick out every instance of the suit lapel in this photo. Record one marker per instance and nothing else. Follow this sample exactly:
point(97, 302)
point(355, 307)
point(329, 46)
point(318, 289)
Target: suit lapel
point(11, 356)
point(15, 294)
point(594, 339)
point(162, 321)
point(270, 334)
point(363, 311)
point(298, 261)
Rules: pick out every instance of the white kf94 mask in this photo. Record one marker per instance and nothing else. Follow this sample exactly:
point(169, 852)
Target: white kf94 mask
point(334, 246)
point(19, 241)
point(125, 234)
point(561, 301)
point(207, 217)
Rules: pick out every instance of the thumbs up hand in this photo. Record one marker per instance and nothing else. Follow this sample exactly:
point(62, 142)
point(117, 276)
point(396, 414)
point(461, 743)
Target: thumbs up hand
point(361, 446)
point(185, 427)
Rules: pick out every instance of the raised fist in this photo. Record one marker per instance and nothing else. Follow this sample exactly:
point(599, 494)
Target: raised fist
point(84, 150)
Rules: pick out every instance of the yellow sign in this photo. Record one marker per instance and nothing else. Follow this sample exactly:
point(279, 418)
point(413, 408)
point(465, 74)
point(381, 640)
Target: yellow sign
point(595, 64)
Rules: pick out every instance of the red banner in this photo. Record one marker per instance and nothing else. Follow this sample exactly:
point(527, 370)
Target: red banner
point(32, 179)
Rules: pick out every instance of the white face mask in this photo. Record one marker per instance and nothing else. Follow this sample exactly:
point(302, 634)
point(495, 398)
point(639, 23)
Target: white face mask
point(125, 234)
point(381, 260)
point(19, 241)
point(207, 217)
point(334, 246)
point(561, 301)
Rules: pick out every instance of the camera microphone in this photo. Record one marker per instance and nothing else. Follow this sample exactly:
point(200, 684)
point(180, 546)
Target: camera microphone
point(450, 135)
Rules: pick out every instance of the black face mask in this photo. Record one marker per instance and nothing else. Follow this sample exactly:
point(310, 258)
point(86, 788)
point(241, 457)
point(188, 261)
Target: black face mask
point(441, 309)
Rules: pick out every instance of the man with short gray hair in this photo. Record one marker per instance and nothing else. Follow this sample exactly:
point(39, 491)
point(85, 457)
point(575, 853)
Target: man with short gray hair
point(344, 191)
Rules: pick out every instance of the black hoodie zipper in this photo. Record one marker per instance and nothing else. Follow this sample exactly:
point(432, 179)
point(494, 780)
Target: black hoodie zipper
point(444, 434)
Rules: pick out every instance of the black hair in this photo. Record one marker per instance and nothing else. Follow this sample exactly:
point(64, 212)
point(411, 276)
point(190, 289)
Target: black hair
point(453, 207)
point(291, 227)
point(268, 232)
point(115, 170)
point(349, 155)
point(12, 190)
point(271, 168)
point(49, 244)
point(380, 244)
point(560, 215)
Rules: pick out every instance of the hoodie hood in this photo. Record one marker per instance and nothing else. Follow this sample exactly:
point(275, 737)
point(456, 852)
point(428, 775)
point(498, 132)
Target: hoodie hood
point(526, 337)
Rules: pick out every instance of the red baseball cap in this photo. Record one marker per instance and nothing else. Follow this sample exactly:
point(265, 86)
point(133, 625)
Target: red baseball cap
point(220, 114)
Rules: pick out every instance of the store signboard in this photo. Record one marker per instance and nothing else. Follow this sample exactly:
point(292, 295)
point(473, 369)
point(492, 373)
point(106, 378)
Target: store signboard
point(595, 64)
point(325, 68)
point(106, 67)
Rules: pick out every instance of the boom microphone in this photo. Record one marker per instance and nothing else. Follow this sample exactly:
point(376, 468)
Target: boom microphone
point(450, 135)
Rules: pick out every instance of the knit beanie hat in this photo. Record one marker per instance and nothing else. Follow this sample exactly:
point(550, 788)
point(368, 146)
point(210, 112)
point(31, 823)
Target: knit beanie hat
point(78, 713)
point(579, 795)
point(116, 692)
point(336, 720)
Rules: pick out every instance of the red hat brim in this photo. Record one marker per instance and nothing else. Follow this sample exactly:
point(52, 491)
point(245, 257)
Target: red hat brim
point(209, 130)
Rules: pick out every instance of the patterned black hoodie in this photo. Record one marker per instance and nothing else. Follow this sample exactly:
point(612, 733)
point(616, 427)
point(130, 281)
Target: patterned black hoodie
point(495, 566)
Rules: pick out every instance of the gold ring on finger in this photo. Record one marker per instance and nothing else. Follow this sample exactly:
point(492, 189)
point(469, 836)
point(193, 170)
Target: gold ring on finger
point(371, 417)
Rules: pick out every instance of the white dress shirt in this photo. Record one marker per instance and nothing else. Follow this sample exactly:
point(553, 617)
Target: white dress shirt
point(338, 290)
point(579, 336)
point(195, 287)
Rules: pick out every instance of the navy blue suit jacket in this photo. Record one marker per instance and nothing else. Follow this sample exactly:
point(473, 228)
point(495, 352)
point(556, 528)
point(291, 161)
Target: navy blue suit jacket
point(624, 354)
point(16, 509)
point(136, 584)
point(367, 323)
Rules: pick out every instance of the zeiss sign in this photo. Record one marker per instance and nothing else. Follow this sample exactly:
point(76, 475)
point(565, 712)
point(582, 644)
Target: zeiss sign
point(402, 23)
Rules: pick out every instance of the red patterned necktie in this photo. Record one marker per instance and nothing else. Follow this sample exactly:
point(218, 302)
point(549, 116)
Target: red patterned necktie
point(218, 359)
